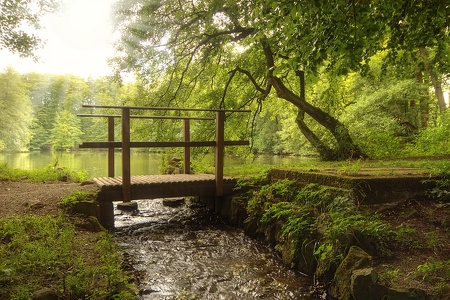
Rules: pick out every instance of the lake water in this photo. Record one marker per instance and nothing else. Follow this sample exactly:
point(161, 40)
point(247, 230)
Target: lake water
point(142, 163)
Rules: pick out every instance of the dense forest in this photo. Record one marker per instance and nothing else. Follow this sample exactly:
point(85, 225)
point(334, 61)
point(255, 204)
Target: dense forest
point(337, 79)
point(387, 117)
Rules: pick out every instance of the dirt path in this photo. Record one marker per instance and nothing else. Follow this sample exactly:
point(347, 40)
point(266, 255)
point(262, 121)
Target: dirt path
point(31, 198)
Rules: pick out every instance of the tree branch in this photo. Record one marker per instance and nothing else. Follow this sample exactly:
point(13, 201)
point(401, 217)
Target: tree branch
point(233, 72)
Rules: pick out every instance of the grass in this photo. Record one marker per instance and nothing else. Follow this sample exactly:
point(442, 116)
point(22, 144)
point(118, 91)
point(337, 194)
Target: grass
point(37, 252)
point(50, 252)
point(48, 173)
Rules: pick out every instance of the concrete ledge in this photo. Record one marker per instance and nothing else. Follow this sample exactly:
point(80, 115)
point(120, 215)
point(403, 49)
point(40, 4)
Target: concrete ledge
point(367, 188)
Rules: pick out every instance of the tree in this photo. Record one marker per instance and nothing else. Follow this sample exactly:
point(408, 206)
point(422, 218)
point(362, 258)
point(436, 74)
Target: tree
point(15, 106)
point(48, 94)
point(67, 133)
point(277, 45)
point(18, 19)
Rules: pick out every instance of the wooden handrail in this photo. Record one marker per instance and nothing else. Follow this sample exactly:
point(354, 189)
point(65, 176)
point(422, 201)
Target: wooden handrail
point(147, 117)
point(164, 108)
point(161, 144)
point(126, 144)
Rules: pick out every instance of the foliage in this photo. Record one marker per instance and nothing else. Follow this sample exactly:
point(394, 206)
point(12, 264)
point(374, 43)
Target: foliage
point(67, 133)
point(48, 173)
point(435, 140)
point(15, 106)
point(318, 213)
point(433, 271)
point(297, 221)
point(244, 53)
point(45, 251)
point(111, 269)
point(378, 104)
point(442, 189)
point(382, 121)
point(21, 15)
point(57, 99)
point(368, 230)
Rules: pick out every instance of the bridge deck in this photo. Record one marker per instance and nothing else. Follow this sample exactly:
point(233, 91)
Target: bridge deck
point(162, 186)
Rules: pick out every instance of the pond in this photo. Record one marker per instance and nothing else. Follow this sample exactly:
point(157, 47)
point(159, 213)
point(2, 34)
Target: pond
point(142, 163)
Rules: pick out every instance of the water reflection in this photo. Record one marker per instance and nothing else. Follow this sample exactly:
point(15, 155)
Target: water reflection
point(188, 253)
point(142, 163)
point(94, 162)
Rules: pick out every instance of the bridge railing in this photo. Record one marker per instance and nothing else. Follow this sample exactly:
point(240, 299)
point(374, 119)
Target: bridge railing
point(126, 144)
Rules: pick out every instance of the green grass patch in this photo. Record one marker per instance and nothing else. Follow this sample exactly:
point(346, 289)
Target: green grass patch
point(38, 252)
point(48, 173)
point(435, 271)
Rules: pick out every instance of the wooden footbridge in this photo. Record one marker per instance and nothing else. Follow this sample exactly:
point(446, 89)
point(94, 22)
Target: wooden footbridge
point(126, 188)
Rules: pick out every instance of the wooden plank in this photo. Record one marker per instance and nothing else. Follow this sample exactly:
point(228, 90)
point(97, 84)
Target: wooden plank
point(161, 144)
point(187, 149)
point(220, 135)
point(126, 171)
point(110, 149)
point(147, 117)
point(157, 186)
point(165, 108)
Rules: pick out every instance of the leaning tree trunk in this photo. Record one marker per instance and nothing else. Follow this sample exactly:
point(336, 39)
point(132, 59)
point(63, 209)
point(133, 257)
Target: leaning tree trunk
point(345, 149)
point(325, 152)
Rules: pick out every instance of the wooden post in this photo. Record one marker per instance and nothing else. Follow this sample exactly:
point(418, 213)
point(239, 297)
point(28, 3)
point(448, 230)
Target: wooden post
point(126, 172)
point(187, 149)
point(111, 149)
point(220, 135)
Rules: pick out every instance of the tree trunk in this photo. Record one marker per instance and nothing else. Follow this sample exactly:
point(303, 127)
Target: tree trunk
point(439, 93)
point(423, 102)
point(325, 152)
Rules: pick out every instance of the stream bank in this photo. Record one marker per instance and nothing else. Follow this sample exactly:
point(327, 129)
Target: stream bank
point(374, 236)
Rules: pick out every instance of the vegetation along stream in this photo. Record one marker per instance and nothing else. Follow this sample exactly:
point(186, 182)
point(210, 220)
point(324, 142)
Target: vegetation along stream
point(185, 252)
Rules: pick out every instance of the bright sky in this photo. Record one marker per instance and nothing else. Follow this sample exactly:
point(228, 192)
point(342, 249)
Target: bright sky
point(78, 41)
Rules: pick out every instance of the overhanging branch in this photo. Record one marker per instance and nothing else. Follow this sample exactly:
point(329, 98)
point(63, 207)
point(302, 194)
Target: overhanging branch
point(233, 72)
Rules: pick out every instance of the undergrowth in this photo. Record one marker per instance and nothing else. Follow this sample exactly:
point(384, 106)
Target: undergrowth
point(38, 252)
point(317, 214)
point(48, 173)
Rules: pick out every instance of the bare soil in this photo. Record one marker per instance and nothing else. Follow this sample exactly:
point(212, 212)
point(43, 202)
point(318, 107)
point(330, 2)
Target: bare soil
point(31, 198)
point(427, 222)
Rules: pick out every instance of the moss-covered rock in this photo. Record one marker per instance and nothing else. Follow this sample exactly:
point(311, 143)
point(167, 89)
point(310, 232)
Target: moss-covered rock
point(356, 259)
point(364, 285)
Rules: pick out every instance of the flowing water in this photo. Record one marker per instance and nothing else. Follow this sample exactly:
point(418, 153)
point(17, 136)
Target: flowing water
point(187, 253)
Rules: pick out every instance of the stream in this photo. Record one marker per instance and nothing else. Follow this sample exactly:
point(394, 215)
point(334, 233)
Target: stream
point(186, 252)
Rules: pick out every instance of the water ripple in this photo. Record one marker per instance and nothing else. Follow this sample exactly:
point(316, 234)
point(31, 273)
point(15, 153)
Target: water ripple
point(188, 253)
